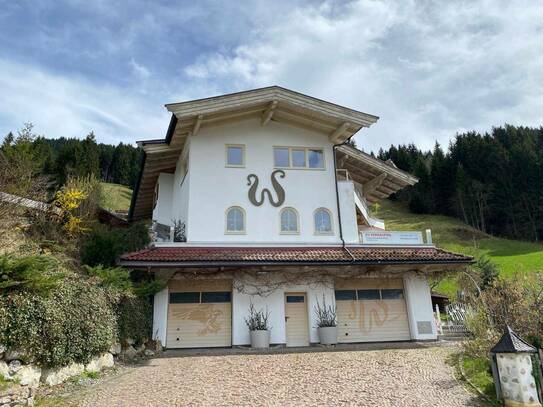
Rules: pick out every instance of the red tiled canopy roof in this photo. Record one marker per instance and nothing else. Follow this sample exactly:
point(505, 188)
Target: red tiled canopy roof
point(200, 256)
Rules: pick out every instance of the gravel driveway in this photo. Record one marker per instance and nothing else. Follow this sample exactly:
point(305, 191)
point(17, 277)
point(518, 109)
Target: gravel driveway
point(392, 377)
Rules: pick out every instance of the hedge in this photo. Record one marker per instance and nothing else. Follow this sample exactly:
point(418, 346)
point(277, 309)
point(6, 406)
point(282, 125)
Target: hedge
point(73, 323)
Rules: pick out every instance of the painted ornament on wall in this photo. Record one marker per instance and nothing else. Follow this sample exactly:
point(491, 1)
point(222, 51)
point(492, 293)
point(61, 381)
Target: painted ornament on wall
point(253, 186)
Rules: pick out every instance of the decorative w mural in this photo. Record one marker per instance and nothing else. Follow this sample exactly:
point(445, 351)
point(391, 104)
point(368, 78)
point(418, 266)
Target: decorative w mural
point(253, 186)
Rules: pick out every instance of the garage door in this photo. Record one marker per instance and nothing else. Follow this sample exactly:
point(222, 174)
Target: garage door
point(371, 310)
point(199, 314)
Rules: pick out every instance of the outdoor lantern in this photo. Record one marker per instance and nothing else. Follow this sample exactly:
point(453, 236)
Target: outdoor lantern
point(515, 376)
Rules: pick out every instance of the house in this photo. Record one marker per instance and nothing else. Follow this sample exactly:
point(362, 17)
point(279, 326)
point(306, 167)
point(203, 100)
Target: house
point(255, 197)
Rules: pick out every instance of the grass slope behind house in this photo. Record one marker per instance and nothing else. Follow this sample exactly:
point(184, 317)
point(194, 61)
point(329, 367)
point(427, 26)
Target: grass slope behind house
point(452, 234)
point(116, 197)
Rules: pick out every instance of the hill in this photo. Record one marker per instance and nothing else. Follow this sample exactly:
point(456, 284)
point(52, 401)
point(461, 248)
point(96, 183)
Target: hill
point(452, 234)
point(116, 197)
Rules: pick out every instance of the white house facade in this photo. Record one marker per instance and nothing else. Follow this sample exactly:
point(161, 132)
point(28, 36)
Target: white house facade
point(255, 198)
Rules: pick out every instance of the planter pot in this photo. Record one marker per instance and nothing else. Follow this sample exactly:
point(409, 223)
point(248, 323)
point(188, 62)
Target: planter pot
point(328, 335)
point(260, 339)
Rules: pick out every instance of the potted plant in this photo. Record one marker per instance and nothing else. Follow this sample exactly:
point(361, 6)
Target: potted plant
point(257, 322)
point(326, 322)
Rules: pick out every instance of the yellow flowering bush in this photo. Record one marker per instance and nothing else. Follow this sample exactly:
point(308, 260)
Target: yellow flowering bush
point(68, 200)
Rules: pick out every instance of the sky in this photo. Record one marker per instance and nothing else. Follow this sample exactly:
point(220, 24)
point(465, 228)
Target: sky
point(428, 69)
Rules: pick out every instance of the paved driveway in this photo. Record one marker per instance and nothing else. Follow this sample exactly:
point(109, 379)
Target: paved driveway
point(392, 377)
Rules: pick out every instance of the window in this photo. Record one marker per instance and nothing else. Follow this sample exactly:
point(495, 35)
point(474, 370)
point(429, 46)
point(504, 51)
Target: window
point(316, 158)
point(216, 296)
point(235, 220)
point(200, 297)
point(368, 295)
point(281, 157)
point(185, 298)
point(345, 295)
point(298, 157)
point(392, 294)
point(235, 155)
point(289, 220)
point(295, 298)
point(323, 221)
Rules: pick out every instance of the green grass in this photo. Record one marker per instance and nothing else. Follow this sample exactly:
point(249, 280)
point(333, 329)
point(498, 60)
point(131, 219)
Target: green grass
point(478, 371)
point(510, 256)
point(116, 197)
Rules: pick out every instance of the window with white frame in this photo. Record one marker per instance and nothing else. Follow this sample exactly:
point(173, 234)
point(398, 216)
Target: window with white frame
point(298, 157)
point(235, 220)
point(235, 155)
point(289, 221)
point(323, 221)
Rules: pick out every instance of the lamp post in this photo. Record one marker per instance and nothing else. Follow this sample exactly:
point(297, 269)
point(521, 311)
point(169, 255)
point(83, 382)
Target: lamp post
point(514, 373)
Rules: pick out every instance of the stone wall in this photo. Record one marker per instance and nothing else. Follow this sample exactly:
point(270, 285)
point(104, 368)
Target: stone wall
point(26, 377)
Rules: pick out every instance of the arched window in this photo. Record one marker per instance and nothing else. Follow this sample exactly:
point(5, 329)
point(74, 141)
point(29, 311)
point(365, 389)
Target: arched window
point(289, 221)
point(235, 220)
point(323, 221)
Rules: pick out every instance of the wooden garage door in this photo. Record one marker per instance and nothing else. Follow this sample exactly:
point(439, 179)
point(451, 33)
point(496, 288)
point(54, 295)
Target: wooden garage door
point(371, 310)
point(199, 314)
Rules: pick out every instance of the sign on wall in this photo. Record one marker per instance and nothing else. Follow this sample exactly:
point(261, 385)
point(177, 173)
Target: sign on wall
point(392, 238)
point(252, 182)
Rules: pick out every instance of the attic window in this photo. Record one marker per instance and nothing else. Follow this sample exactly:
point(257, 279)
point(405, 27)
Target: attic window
point(298, 158)
point(235, 155)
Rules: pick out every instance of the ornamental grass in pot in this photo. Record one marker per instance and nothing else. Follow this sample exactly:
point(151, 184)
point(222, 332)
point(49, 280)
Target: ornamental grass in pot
point(326, 322)
point(259, 329)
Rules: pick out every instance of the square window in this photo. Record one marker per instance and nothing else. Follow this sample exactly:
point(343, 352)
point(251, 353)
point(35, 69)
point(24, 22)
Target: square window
point(185, 298)
point(345, 295)
point(216, 296)
point(368, 295)
point(280, 157)
point(392, 294)
point(295, 298)
point(235, 156)
point(316, 158)
point(298, 158)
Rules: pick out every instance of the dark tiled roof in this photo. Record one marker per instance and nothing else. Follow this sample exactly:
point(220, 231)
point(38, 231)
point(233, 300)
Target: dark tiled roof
point(510, 342)
point(362, 255)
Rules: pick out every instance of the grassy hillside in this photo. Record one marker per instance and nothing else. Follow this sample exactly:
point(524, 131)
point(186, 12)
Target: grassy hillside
point(116, 197)
point(451, 234)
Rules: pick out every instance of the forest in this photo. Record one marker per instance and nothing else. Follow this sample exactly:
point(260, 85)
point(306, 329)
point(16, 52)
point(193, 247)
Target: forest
point(491, 181)
point(64, 157)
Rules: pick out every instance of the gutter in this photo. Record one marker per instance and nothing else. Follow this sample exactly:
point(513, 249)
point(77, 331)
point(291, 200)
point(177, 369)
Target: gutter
point(337, 201)
point(211, 264)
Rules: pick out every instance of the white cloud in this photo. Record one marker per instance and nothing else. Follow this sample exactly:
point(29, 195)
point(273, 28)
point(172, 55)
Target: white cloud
point(428, 69)
point(72, 107)
point(139, 70)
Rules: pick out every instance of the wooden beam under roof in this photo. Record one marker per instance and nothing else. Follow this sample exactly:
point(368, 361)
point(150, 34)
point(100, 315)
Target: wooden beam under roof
point(197, 124)
point(338, 133)
point(268, 113)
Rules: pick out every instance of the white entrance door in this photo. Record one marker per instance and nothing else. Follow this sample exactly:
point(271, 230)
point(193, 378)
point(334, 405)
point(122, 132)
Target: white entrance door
point(296, 324)
point(371, 310)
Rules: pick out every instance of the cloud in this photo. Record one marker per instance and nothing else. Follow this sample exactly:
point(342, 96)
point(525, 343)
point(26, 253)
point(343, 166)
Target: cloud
point(73, 106)
point(427, 69)
point(139, 70)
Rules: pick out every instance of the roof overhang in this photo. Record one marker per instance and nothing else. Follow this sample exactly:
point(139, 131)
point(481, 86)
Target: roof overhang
point(377, 179)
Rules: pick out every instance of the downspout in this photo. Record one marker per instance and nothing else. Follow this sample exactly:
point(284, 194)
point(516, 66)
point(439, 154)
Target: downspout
point(353, 259)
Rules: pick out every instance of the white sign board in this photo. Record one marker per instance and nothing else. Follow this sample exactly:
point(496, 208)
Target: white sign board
point(391, 238)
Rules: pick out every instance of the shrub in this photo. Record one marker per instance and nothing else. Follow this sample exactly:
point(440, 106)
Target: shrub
point(32, 273)
point(257, 320)
point(134, 319)
point(103, 246)
point(73, 324)
point(326, 315)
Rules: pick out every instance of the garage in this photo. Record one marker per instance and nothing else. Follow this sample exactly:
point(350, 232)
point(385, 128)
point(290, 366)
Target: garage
point(199, 314)
point(371, 310)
